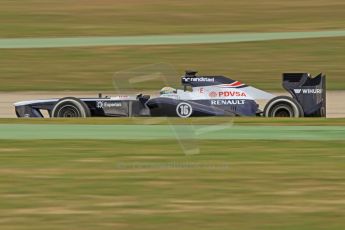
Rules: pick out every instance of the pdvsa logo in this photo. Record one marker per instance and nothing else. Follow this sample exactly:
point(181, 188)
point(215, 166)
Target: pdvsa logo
point(307, 91)
point(232, 94)
point(214, 94)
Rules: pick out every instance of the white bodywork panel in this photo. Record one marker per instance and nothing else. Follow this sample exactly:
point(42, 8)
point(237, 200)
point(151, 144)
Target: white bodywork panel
point(220, 92)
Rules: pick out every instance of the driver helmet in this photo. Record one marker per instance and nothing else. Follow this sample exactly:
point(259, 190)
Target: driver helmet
point(167, 90)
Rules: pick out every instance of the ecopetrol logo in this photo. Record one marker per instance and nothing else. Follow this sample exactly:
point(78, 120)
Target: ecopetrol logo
point(227, 102)
point(307, 91)
point(214, 94)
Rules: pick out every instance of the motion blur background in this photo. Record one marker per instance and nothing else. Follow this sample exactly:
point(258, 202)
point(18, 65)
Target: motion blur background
point(292, 178)
point(92, 68)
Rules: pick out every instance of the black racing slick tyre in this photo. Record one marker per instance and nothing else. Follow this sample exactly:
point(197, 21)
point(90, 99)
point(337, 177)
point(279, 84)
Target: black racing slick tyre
point(283, 106)
point(70, 107)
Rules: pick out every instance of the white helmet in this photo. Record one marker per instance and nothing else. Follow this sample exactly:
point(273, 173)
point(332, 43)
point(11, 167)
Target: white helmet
point(167, 90)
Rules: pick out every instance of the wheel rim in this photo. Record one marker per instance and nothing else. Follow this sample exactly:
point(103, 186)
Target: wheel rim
point(282, 112)
point(289, 107)
point(68, 111)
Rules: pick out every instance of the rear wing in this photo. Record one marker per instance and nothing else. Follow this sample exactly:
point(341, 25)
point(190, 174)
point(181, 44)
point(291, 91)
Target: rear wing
point(309, 91)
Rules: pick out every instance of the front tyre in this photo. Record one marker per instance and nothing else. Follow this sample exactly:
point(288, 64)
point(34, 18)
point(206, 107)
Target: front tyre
point(70, 107)
point(283, 106)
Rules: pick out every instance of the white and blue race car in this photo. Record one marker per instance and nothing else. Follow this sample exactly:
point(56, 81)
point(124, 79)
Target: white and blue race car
point(200, 96)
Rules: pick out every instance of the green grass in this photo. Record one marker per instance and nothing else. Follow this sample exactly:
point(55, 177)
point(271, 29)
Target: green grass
point(39, 18)
point(153, 185)
point(225, 131)
point(257, 121)
point(99, 184)
point(256, 63)
point(161, 129)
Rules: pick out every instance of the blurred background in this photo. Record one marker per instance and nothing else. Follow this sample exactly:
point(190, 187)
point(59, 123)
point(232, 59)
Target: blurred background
point(269, 182)
point(92, 68)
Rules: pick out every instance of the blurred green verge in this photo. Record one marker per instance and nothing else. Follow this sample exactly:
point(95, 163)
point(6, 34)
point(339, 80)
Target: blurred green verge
point(152, 184)
point(225, 131)
point(64, 18)
point(93, 184)
point(257, 121)
point(257, 63)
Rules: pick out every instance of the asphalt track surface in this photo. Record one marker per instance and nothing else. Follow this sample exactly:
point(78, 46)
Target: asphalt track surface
point(161, 132)
point(11, 43)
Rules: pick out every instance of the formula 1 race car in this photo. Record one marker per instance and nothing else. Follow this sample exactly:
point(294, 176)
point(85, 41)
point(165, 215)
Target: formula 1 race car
point(200, 96)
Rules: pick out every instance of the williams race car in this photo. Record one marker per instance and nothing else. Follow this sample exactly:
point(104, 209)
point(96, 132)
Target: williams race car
point(200, 96)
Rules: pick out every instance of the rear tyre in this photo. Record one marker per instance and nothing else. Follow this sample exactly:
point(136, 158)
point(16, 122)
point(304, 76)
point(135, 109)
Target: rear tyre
point(283, 106)
point(70, 107)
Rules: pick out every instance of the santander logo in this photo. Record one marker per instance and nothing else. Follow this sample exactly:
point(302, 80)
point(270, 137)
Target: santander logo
point(214, 94)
